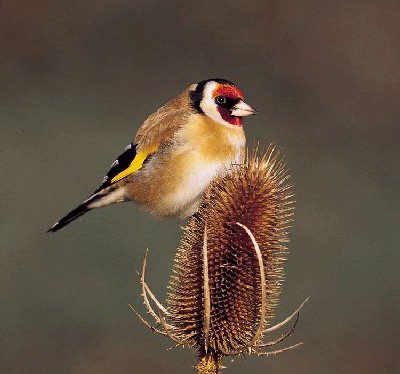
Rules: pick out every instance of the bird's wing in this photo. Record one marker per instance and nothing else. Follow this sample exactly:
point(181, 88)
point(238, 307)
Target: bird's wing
point(152, 137)
point(162, 125)
point(128, 162)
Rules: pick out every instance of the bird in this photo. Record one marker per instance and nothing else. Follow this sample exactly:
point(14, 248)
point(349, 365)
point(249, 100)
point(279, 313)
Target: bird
point(176, 153)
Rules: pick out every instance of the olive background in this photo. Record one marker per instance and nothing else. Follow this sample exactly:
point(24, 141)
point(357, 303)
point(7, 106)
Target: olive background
point(78, 77)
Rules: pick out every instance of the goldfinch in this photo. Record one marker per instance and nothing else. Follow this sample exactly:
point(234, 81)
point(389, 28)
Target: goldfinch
point(176, 153)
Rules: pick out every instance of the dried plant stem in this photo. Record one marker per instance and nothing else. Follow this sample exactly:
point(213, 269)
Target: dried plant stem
point(209, 364)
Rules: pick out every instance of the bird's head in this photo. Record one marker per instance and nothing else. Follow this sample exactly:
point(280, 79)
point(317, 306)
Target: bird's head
point(220, 100)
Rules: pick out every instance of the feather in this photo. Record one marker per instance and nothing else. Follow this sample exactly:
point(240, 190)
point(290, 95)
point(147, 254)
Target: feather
point(109, 195)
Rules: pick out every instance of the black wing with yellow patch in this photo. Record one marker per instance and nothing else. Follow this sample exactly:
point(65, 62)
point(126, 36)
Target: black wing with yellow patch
point(127, 163)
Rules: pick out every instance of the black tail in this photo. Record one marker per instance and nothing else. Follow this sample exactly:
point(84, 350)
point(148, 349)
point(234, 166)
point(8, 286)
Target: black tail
point(74, 214)
point(71, 216)
point(107, 196)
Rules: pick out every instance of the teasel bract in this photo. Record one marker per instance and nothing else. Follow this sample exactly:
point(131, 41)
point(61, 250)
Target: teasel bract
point(228, 271)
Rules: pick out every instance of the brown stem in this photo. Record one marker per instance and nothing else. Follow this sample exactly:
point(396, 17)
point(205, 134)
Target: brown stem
point(209, 363)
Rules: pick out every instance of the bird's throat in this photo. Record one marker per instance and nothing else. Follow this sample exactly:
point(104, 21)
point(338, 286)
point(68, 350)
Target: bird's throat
point(226, 116)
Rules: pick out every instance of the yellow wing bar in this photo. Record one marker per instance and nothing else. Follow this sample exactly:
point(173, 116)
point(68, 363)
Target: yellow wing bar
point(136, 163)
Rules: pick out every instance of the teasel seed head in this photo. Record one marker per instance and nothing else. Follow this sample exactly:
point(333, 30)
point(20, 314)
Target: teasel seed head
point(228, 271)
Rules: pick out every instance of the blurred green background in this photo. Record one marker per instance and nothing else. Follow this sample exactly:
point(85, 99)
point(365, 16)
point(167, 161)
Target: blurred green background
point(78, 77)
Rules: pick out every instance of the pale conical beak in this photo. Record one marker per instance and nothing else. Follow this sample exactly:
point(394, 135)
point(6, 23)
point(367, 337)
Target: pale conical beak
point(241, 109)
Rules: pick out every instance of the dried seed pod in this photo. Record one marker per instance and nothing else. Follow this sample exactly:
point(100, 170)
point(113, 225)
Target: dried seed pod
point(228, 271)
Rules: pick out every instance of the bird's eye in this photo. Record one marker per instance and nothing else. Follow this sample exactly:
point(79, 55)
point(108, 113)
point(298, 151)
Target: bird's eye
point(220, 100)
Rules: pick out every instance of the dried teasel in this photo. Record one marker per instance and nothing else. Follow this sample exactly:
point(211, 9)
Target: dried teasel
point(228, 270)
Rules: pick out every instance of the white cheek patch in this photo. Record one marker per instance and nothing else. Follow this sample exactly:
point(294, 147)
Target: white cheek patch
point(208, 105)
